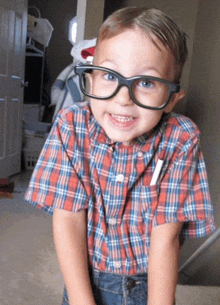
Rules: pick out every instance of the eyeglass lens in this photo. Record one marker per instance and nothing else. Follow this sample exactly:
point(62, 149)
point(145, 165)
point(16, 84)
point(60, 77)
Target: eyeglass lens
point(103, 84)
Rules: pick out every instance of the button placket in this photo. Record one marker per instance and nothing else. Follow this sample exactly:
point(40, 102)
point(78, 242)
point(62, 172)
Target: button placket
point(112, 221)
point(117, 264)
point(119, 184)
point(120, 178)
point(140, 154)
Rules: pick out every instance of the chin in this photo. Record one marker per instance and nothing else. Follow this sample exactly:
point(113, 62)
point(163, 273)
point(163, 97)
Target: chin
point(120, 135)
point(120, 138)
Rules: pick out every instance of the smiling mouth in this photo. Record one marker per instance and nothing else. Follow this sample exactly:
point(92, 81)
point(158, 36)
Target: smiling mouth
point(122, 119)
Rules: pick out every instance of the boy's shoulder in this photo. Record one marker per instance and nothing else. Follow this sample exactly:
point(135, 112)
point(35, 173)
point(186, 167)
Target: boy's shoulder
point(77, 112)
point(77, 120)
point(182, 124)
point(178, 132)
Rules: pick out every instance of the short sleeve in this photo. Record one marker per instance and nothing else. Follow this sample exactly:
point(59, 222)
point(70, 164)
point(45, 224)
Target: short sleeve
point(184, 194)
point(55, 182)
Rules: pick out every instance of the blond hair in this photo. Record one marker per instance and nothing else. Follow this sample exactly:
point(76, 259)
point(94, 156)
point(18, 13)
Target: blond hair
point(149, 21)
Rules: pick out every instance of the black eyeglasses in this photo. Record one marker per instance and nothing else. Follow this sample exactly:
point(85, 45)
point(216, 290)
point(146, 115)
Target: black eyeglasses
point(145, 91)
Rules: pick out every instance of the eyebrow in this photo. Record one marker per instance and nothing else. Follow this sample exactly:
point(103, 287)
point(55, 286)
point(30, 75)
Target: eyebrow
point(144, 69)
point(151, 69)
point(107, 61)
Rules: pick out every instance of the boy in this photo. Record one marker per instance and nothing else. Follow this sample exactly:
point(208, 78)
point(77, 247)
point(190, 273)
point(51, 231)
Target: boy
point(126, 166)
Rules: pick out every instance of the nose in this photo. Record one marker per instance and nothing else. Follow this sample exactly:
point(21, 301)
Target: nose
point(123, 97)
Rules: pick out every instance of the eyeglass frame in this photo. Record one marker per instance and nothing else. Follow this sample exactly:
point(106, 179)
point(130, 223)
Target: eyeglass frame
point(127, 82)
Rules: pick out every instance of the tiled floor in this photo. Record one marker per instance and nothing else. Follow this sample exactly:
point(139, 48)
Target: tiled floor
point(29, 271)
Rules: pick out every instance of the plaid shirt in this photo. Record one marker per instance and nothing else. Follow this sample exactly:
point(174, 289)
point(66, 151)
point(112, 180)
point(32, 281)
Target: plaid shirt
point(81, 168)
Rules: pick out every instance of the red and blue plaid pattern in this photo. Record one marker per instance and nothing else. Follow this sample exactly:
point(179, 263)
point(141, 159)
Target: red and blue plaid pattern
point(81, 168)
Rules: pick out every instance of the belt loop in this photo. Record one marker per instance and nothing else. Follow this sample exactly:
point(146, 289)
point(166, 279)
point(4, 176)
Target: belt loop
point(96, 274)
point(124, 287)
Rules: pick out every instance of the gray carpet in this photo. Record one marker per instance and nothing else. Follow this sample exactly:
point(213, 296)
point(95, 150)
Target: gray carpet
point(29, 271)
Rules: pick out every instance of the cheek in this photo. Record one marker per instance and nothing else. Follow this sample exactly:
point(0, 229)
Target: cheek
point(93, 106)
point(89, 84)
point(97, 108)
point(95, 89)
point(150, 118)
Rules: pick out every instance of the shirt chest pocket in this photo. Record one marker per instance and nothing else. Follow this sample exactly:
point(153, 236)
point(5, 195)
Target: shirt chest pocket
point(141, 206)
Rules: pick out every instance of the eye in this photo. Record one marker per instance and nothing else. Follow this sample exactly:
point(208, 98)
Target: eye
point(145, 84)
point(110, 77)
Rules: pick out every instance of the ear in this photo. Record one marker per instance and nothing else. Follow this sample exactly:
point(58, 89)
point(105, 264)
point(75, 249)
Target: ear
point(175, 98)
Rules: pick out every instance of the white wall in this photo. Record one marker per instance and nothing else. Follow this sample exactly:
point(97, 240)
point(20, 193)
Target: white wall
point(90, 17)
point(203, 104)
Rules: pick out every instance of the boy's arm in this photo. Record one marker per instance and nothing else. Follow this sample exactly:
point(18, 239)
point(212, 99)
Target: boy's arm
point(71, 245)
point(163, 264)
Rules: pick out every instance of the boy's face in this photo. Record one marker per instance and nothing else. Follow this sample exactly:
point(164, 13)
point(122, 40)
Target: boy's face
point(131, 53)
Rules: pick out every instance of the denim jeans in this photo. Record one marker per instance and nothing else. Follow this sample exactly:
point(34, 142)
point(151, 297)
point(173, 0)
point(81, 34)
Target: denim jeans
point(113, 289)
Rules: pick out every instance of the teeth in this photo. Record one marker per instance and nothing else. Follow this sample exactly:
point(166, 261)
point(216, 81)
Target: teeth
point(122, 118)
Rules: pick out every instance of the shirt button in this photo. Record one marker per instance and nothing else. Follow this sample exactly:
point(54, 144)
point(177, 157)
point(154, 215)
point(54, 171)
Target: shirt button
point(120, 178)
point(117, 264)
point(140, 154)
point(112, 221)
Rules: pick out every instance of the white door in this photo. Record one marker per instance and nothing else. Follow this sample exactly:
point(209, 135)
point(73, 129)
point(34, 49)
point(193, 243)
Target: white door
point(13, 28)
